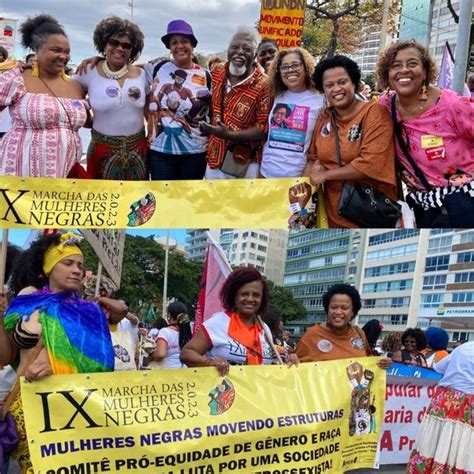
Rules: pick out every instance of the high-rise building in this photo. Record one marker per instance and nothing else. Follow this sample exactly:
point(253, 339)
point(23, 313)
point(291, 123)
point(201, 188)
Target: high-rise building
point(196, 242)
point(276, 255)
point(443, 28)
point(447, 288)
point(406, 277)
point(431, 23)
point(419, 278)
point(415, 19)
point(264, 249)
point(391, 275)
point(249, 247)
point(368, 51)
point(374, 39)
point(317, 259)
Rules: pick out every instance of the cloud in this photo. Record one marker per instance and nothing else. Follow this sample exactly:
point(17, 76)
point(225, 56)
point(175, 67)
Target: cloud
point(213, 21)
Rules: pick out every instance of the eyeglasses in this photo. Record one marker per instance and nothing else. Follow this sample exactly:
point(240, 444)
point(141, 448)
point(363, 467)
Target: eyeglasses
point(116, 43)
point(284, 68)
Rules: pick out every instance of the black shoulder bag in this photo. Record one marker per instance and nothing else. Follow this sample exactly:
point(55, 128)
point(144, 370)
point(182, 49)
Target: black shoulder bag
point(361, 204)
point(457, 208)
point(397, 128)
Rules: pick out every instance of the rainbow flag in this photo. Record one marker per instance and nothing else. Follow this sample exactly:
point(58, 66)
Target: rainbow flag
point(75, 332)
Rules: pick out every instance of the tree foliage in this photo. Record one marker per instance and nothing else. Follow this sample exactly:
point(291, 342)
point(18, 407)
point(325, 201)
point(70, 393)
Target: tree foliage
point(282, 300)
point(333, 26)
point(143, 273)
point(201, 59)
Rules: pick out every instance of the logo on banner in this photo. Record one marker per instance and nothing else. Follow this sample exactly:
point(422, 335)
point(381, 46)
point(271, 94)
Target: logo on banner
point(302, 206)
point(362, 418)
point(222, 397)
point(141, 211)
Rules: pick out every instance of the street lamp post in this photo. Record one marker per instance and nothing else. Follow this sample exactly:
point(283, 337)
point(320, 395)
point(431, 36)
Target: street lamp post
point(130, 4)
point(165, 280)
point(462, 44)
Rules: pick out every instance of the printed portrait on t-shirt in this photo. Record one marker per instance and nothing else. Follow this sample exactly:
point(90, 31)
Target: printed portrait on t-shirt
point(180, 100)
point(288, 127)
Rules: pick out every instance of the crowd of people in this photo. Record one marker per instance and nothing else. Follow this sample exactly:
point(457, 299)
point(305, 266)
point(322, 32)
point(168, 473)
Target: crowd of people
point(263, 113)
point(260, 114)
point(54, 308)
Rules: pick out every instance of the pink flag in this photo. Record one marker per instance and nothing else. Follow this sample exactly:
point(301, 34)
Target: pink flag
point(215, 271)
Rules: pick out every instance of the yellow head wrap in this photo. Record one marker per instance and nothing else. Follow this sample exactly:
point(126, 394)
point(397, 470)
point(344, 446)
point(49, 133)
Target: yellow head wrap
point(67, 246)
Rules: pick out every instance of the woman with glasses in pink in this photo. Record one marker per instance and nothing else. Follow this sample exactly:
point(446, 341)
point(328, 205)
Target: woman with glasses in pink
point(296, 106)
point(117, 93)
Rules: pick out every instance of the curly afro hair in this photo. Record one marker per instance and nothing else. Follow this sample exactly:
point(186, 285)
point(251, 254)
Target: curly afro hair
point(275, 82)
point(35, 30)
point(28, 267)
point(343, 289)
point(387, 56)
point(418, 335)
point(238, 278)
point(339, 60)
point(115, 26)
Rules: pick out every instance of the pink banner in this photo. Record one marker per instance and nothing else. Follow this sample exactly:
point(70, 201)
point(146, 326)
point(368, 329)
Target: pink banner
point(215, 271)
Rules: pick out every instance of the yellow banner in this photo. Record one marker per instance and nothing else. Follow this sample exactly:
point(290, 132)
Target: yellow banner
point(283, 21)
point(235, 203)
point(314, 418)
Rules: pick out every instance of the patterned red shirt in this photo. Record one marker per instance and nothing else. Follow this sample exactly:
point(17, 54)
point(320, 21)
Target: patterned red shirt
point(246, 105)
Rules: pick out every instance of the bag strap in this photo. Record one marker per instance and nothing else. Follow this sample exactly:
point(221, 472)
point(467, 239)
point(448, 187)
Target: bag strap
point(65, 111)
point(338, 142)
point(397, 127)
point(32, 356)
point(158, 67)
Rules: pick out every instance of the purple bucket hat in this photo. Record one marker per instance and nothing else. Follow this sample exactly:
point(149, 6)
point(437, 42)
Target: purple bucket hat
point(179, 27)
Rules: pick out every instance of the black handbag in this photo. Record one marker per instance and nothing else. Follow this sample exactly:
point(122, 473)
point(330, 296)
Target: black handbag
point(366, 207)
point(361, 204)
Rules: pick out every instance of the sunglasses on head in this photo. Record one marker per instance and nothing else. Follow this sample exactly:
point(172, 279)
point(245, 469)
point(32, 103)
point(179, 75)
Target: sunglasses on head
point(116, 43)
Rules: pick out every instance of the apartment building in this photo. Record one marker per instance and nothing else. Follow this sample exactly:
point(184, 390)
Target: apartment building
point(317, 259)
point(419, 278)
point(391, 275)
point(264, 249)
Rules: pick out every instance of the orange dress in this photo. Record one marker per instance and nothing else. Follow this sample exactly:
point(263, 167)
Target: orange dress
point(366, 141)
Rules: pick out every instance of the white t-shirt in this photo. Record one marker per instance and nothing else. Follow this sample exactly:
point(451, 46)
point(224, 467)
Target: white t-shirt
point(458, 369)
point(171, 336)
point(216, 329)
point(184, 94)
point(118, 111)
point(291, 125)
point(7, 379)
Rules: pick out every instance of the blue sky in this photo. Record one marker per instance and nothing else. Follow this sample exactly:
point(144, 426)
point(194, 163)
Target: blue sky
point(213, 21)
point(20, 236)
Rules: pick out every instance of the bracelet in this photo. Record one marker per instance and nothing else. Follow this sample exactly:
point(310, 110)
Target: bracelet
point(209, 362)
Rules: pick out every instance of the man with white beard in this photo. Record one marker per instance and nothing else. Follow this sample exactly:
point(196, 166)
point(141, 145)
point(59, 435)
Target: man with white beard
point(240, 108)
